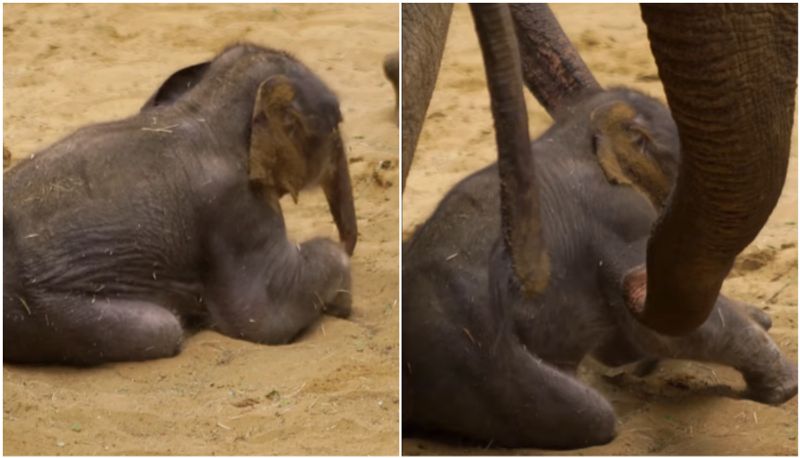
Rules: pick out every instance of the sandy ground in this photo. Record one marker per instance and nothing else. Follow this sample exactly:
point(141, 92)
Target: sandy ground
point(333, 392)
point(666, 413)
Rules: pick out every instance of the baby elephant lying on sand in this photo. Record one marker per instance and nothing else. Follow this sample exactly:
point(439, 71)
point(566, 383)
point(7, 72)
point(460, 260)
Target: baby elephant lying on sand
point(482, 361)
point(121, 233)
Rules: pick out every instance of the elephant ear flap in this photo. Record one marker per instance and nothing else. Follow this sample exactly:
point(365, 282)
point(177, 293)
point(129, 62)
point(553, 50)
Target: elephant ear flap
point(176, 85)
point(622, 143)
point(610, 141)
point(275, 157)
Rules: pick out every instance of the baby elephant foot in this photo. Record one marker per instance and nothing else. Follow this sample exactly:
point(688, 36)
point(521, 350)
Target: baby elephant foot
point(335, 294)
point(340, 300)
point(341, 306)
point(773, 388)
point(770, 377)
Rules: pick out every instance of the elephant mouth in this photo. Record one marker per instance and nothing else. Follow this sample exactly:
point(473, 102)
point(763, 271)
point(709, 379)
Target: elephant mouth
point(634, 289)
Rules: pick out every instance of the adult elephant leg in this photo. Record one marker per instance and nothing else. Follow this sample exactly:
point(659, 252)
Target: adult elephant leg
point(729, 73)
point(424, 34)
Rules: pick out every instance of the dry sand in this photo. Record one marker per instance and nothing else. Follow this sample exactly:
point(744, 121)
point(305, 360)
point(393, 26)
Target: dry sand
point(663, 414)
point(333, 392)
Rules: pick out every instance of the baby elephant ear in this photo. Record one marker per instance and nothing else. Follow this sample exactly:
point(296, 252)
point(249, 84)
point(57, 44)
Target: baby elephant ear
point(276, 94)
point(622, 143)
point(177, 85)
point(276, 129)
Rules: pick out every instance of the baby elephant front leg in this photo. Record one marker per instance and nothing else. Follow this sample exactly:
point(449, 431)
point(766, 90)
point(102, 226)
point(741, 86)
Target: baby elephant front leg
point(734, 334)
point(271, 297)
point(327, 269)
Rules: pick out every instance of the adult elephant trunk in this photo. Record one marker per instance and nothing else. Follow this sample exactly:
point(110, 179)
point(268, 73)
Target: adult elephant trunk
point(424, 33)
point(551, 66)
point(339, 194)
point(519, 198)
point(729, 73)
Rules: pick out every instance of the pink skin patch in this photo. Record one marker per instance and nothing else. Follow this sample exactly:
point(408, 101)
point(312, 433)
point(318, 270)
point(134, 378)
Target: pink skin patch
point(634, 287)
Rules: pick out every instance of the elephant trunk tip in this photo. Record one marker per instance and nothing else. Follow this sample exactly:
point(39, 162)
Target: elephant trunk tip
point(532, 269)
point(669, 316)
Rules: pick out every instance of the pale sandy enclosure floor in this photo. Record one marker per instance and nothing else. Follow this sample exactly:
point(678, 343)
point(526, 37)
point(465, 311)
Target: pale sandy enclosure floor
point(333, 392)
point(663, 414)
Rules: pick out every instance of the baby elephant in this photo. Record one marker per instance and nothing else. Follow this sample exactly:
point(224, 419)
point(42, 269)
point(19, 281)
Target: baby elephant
point(122, 233)
point(482, 361)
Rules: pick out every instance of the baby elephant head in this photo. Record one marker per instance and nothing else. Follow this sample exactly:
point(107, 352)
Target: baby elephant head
point(295, 143)
point(630, 149)
point(294, 139)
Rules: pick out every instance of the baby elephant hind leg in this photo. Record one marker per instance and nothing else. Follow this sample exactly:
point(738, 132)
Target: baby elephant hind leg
point(85, 331)
point(517, 400)
point(734, 336)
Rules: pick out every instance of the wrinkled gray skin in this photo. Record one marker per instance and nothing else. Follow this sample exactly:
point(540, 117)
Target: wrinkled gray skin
point(479, 361)
point(123, 233)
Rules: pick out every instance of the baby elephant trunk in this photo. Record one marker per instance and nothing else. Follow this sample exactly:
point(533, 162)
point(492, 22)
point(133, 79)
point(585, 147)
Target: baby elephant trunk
point(339, 193)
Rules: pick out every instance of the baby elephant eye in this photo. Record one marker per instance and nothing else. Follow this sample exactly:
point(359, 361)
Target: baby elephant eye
point(638, 138)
